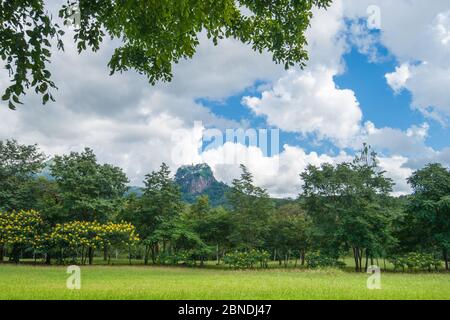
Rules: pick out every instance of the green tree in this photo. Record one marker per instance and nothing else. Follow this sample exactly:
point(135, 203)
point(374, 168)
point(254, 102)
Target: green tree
point(288, 234)
point(154, 34)
point(213, 225)
point(157, 210)
point(428, 210)
point(349, 206)
point(18, 166)
point(252, 207)
point(19, 230)
point(89, 191)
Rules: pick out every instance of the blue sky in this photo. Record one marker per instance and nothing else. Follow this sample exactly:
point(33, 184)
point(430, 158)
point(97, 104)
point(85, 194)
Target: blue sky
point(379, 103)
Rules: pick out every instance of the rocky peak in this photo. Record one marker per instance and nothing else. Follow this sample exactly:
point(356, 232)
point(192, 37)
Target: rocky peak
point(195, 179)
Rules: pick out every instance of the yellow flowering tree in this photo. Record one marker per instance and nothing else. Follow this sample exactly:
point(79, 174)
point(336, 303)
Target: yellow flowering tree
point(20, 229)
point(79, 239)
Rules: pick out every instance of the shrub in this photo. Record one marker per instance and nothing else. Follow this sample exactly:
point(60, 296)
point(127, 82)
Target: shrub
point(316, 260)
point(414, 261)
point(247, 259)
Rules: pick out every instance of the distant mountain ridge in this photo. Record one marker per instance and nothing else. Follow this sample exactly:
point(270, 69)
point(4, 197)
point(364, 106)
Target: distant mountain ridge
point(194, 181)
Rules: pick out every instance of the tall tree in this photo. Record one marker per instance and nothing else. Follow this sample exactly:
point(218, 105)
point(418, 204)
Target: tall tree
point(158, 208)
point(348, 204)
point(154, 34)
point(428, 211)
point(288, 235)
point(251, 210)
point(89, 191)
point(213, 225)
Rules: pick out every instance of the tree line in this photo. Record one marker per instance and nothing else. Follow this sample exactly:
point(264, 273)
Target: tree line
point(82, 210)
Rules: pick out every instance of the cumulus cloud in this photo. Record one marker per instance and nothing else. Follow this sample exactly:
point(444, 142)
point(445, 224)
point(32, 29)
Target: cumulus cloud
point(397, 170)
point(397, 80)
point(309, 102)
point(416, 33)
point(278, 174)
point(395, 141)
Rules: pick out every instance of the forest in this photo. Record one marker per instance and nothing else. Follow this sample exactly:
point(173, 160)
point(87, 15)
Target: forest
point(82, 210)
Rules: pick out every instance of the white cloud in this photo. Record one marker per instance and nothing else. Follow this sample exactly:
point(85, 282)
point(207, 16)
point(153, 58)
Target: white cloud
point(309, 102)
point(397, 80)
point(279, 174)
point(417, 34)
point(408, 143)
point(396, 170)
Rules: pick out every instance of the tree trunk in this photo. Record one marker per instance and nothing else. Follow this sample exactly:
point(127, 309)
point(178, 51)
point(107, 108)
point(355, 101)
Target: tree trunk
point(91, 255)
point(146, 254)
point(303, 253)
point(2, 250)
point(15, 254)
point(445, 254)
point(48, 259)
point(105, 253)
point(366, 266)
point(153, 254)
point(217, 254)
point(360, 255)
point(355, 255)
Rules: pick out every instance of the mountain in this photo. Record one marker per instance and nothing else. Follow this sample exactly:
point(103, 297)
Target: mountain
point(199, 180)
point(194, 181)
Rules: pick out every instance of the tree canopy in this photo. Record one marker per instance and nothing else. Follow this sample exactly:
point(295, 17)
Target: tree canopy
point(428, 210)
point(80, 209)
point(154, 34)
point(18, 164)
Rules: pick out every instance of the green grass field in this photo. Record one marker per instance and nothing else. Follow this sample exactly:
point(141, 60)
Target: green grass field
point(139, 282)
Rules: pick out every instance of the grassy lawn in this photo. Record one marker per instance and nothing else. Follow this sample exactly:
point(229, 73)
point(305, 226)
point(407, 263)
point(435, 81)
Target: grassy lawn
point(139, 282)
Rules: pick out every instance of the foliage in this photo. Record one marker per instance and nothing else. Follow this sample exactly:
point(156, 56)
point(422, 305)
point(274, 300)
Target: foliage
point(252, 207)
point(415, 261)
point(21, 228)
point(428, 211)
point(26, 32)
point(247, 259)
point(79, 234)
point(89, 191)
point(79, 210)
point(289, 231)
point(320, 260)
point(213, 225)
point(349, 206)
point(154, 34)
point(18, 164)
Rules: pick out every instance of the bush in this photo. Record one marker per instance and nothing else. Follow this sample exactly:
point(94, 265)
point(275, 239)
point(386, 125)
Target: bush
point(316, 260)
point(414, 261)
point(247, 260)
